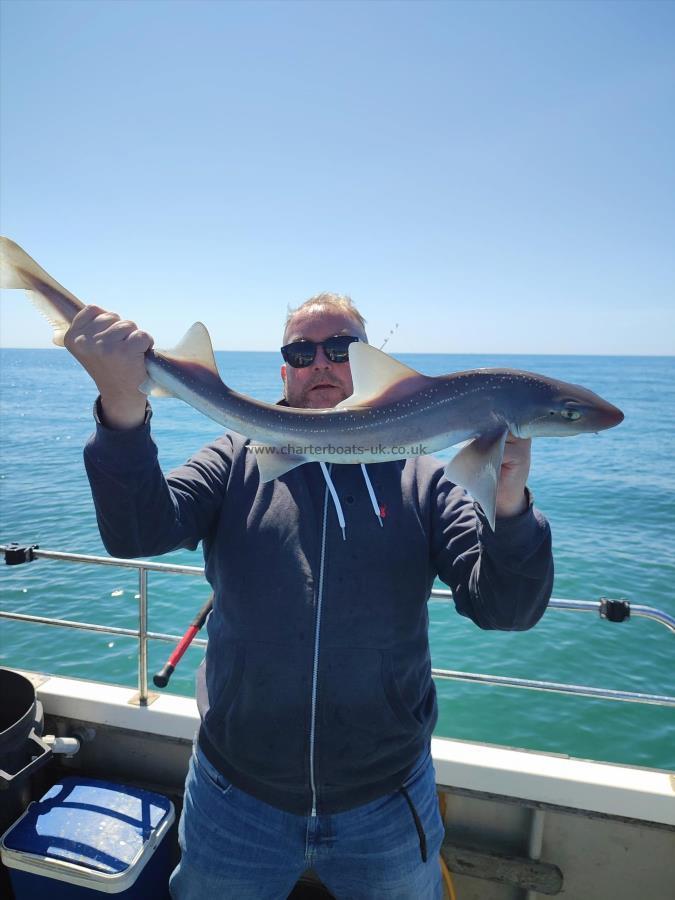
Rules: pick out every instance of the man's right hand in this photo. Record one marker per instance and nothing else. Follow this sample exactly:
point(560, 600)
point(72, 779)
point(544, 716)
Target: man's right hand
point(112, 350)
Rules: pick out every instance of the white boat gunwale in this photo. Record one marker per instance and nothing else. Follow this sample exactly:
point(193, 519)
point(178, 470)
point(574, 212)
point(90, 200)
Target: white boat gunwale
point(631, 793)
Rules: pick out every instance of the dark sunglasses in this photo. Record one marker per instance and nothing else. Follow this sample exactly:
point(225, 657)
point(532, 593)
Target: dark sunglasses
point(301, 354)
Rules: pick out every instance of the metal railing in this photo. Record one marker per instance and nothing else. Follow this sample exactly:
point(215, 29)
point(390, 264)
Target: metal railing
point(143, 635)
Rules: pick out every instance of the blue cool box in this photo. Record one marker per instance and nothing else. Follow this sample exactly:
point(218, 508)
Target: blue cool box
point(87, 837)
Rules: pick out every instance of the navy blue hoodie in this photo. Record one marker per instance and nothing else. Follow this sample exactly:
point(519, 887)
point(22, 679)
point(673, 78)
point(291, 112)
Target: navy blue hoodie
point(316, 692)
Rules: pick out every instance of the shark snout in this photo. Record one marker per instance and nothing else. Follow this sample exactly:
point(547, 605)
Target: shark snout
point(606, 415)
point(617, 416)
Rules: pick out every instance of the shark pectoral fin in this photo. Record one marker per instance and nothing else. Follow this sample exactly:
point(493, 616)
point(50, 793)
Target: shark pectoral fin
point(272, 463)
point(476, 467)
point(374, 373)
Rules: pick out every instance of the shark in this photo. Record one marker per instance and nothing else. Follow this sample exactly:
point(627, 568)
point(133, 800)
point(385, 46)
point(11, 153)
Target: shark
point(394, 413)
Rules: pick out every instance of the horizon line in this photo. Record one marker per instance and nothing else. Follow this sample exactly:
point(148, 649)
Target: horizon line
point(439, 353)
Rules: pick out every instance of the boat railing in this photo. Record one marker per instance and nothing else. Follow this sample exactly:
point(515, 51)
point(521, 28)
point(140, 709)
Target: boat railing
point(610, 610)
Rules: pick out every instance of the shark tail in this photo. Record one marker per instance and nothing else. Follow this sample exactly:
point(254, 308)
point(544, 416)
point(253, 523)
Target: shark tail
point(19, 270)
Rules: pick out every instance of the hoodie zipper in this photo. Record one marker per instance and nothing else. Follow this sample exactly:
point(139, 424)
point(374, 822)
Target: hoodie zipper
point(315, 670)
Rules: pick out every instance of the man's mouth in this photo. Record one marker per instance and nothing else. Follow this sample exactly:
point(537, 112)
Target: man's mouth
point(322, 386)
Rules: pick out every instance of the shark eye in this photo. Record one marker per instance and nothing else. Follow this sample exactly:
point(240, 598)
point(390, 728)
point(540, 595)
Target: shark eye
point(572, 414)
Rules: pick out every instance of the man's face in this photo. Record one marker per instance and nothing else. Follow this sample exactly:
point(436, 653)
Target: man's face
point(322, 384)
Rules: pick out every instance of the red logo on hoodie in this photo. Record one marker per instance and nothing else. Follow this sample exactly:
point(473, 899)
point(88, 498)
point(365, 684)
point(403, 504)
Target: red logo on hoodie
point(383, 510)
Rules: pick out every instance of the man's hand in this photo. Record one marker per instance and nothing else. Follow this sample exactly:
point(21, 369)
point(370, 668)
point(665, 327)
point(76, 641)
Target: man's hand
point(511, 497)
point(112, 350)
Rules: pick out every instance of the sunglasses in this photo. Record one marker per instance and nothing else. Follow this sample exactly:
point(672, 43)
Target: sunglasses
point(301, 354)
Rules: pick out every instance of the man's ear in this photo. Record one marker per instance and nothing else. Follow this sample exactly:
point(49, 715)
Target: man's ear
point(283, 373)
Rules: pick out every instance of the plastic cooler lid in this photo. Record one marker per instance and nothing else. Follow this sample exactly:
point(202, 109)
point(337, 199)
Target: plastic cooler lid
point(97, 826)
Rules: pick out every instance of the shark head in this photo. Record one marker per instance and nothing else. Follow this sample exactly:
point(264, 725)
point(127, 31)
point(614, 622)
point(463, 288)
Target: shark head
point(559, 409)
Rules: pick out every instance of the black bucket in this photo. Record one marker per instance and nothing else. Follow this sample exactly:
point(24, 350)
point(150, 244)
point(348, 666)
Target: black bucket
point(22, 751)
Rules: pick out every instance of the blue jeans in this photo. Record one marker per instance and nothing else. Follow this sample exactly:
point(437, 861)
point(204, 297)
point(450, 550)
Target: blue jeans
point(235, 846)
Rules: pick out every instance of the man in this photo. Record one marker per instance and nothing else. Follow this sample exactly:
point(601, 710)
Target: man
point(316, 697)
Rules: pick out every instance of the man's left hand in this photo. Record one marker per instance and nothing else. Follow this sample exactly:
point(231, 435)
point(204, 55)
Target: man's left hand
point(511, 496)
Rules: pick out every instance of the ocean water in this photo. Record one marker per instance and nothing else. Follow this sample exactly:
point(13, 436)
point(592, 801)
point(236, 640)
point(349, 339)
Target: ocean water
point(610, 499)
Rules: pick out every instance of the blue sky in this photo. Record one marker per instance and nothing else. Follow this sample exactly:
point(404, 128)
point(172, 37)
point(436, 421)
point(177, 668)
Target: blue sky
point(494, 177)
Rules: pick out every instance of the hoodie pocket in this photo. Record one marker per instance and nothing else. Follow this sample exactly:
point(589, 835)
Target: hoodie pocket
point(227, 675)
point(259, 723)
point(365, 722)
point(394, 694)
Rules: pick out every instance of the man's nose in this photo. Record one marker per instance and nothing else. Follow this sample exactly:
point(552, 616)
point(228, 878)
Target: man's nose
point(321, 361)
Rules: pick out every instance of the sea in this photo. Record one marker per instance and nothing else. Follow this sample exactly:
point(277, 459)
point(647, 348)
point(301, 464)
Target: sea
point(610, 499)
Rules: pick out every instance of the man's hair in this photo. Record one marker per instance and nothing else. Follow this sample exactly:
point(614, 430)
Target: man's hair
point(327, 302)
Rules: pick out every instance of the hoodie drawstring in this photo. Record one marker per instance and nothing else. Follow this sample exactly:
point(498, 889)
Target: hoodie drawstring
point(371, 494)
point(336, 500)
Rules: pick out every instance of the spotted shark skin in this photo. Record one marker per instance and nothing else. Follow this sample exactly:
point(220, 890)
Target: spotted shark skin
point(394, 413)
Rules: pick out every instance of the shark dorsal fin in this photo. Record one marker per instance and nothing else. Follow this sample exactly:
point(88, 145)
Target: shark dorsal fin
point(195, 346)
point(375, 373)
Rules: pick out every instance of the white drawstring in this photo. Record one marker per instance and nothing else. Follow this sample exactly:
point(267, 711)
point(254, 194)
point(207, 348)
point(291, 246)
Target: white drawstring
point(371, 494)
point(336, 499)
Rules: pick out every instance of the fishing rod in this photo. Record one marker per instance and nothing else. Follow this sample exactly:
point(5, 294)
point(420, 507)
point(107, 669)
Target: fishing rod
point(386, 340)
point(161, 678)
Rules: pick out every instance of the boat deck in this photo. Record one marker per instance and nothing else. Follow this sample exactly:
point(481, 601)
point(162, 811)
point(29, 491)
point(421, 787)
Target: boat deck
point(524, 824)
